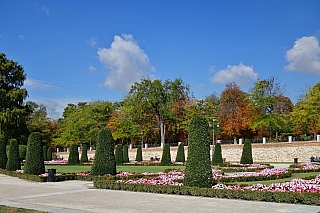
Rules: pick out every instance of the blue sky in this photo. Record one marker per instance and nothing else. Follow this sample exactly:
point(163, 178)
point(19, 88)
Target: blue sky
point(76, 51)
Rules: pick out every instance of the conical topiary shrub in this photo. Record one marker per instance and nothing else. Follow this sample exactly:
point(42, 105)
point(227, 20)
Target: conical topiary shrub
point(139, 154)
point(45, 153)
point(22, 152)
point(34, 159)
point(84, 154)
point(198, 168)
point(217, 155)
point(125, 154)
point(180, 153)
point(119, 154)
point(166, 156)
point(49, 154)
point(104, 160)
point(246, 157)
point(73, 155)
point(3, 153)
point(13, 162)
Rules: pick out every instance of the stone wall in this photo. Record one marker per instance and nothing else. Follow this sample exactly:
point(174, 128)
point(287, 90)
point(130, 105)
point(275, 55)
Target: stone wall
point(270, 152)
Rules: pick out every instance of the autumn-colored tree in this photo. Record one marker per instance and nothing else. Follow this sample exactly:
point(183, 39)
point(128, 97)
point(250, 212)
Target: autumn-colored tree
point(234, 113)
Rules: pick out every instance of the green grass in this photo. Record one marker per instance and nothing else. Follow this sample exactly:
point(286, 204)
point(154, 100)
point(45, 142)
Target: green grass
point(8, 209)
point(268, 182)
point(131, 169)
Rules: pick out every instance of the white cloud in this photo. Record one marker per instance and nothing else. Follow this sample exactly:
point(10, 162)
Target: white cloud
point(240, 74)
point(37, 84)
point(92, 42)
point(46, 10)
point(305, 55)
point(22, 37)
point(126, 62)
point(92, 68)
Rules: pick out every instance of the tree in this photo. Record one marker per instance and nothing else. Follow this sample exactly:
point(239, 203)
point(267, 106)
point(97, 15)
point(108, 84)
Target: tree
point(198, 168)
point(13, 162)
point(13, 111)
point(180, 153)
point(139, 154)
point(125, 154)
point(246, 157)
point(84, 153)
point(45, 150)
point(166, 156)
point(264, 102)
point(217, 155)
point(104, 161)
point(234, 113)
point(34, 159)
point(158, 99)
point(73, 155)
point(3, 153)
point(119, 154)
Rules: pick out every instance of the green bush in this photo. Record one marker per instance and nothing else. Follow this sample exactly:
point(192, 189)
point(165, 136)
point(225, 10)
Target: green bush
point(45, 150)
point(13, 162)
point(3, 153)
point(166, 155)
point(104, 160)
point(73, 155)
point(180, 153)
point(139, 154)
point(198, 168)
point(22, 152)
point(125, 154)
point(119, 154)
point(34, 158)
point(84, 154)
point(217, 155)
point(246, 157)
point(49, 154)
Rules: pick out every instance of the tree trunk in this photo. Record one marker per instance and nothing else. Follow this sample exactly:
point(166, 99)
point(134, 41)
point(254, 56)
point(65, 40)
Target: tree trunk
point(315, 130)
point(162, 131)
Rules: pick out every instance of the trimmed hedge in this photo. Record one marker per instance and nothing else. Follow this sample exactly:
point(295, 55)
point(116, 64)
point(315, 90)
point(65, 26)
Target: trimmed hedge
point(217, 155)
point(49, 154)
point(139, 154)
point(84, 154)
point(278, 197)
point(104, 161)
point(246, 157)
point(34, 159)
point(119, 154)
point(3, 153)
point(73, 155)
point(22, 152)
point(180, 153)
point(13, 162)
point(125, 154)
point(166, 155)
point(45, 150)
point(198, 168)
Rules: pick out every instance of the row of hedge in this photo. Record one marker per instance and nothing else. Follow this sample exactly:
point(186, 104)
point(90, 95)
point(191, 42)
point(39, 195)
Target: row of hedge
point(279, 197)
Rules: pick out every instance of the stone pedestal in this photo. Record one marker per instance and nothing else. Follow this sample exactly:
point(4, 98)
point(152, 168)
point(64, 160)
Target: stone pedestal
point(240, 141)
point(264, 140)
point(162, 145)
point(68, 149)
point(318, 138)
point(130, 146)
point(57, 149)
point(290, 139)
point(146, 146)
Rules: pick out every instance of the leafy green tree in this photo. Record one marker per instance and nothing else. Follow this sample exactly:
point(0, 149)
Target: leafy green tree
point(3, 153)
point(34, 159)
point(125, 154)
point(84, 154)
point(217, 155)
point(104, 160)
point(49, 154)
point(158, 99)
point(119, 154)
point(198, 168)
point(13, 111)
point(166, 156)
point(45, 150)
point(180, 153)
point(73, 155)
point(139, 154)
point(13, 160)
point(246, 157)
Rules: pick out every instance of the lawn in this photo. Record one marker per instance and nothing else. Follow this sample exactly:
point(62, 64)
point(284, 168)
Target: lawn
point(8, 209)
